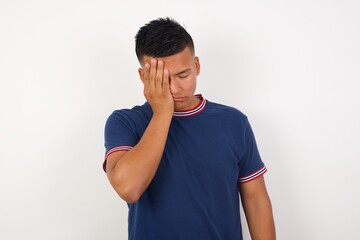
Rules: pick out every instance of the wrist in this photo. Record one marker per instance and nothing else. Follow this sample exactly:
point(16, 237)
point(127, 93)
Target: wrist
point(162, 115)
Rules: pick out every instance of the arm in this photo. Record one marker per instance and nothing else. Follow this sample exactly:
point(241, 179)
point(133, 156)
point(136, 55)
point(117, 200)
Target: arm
point(130, 173)
point(258, 210)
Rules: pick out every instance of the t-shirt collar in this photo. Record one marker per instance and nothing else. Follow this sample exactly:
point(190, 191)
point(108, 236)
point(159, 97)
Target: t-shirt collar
point(197, 109)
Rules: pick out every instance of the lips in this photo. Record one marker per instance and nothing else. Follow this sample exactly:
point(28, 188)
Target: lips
point(178, 99)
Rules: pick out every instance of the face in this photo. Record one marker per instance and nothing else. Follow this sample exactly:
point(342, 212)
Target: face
point(183, 68)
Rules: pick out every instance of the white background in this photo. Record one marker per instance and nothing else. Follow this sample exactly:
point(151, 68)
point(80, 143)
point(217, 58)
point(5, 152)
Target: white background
point(291, 66)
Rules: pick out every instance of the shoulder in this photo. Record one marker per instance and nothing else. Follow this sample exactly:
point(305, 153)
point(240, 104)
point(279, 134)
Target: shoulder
point(135, 114)
point(225, 111)
point(130, 113)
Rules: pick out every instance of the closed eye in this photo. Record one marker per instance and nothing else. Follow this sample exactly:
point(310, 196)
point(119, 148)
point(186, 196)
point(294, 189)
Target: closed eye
point(183, 76)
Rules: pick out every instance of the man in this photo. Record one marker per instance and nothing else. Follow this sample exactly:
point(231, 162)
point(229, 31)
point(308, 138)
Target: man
point(179, 160)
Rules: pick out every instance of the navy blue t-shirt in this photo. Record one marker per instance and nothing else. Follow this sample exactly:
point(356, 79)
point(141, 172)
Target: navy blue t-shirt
point(194, 194)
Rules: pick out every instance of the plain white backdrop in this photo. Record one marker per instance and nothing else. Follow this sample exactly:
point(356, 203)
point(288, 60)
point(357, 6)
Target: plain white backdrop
point(291, 66)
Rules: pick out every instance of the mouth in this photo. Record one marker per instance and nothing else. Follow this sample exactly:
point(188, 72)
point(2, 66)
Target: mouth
point(178, 99)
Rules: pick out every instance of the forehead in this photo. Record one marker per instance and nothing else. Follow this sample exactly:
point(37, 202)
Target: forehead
point(176, 62)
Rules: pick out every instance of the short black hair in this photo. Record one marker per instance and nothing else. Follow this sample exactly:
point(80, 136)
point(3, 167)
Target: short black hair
point(162, 37)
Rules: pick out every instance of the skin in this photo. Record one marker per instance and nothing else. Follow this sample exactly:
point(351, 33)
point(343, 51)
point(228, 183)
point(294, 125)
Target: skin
point(183, 70)
point(258, 210)
point(169, 85)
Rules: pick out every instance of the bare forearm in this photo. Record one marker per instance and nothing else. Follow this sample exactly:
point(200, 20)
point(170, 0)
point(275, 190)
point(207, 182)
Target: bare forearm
point(135, 170)
point(258, 210)
point(260, 219)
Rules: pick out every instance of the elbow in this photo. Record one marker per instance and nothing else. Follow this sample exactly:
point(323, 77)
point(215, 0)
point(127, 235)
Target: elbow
point(130, 198)
point(128, 195)
point(129, 191)
point(126, 191)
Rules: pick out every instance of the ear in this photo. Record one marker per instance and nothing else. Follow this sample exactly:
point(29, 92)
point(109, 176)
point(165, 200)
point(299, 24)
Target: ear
point(197, 65)
point(141, 74)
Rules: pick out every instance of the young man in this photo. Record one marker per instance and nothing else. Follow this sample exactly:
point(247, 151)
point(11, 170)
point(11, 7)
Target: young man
point(179, 160)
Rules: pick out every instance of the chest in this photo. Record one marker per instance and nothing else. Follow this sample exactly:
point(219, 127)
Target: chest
point(203, 152)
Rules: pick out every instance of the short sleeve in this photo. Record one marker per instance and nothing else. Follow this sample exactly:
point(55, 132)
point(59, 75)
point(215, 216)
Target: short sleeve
point(250, 165)
point(118, 135)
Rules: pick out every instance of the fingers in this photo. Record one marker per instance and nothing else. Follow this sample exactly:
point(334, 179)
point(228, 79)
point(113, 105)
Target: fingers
point(166, 79)
point(146, 73)
point(157, 86)
point(152, 74)
point(159, 74)
point(155, 74)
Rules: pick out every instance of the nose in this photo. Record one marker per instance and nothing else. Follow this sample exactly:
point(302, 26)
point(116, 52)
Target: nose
point(174, 86)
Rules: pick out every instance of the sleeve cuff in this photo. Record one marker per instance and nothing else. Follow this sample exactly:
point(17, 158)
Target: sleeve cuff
point(253, 176)
point(115, 149)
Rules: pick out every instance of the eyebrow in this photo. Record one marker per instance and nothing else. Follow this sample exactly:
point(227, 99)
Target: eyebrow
point(184, 71)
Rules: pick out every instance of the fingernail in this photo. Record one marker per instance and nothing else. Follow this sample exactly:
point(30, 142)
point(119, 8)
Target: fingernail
point(153, 61)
